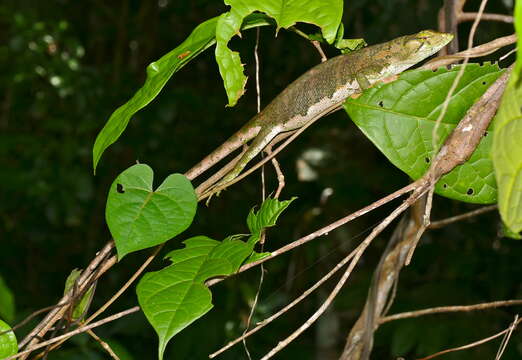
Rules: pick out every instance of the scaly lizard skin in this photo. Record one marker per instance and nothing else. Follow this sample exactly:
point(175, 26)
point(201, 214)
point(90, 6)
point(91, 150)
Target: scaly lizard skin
point(320, 91)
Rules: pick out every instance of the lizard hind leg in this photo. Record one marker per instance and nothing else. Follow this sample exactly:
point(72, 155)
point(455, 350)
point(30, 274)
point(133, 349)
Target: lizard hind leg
point(265, 136)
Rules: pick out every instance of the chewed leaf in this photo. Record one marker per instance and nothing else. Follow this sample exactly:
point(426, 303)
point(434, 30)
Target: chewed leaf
point(326, 14)
point(140, 217)
point(399, 118)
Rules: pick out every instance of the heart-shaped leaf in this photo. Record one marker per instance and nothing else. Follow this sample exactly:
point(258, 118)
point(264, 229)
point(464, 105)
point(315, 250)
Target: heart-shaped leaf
point(399, 118)
point(8, 343)
point(140, 217)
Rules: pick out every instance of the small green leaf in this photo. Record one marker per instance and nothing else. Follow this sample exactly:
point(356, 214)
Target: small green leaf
point(140, 217)
point(176, 296)
point(266, 217)
point(326, 14)
point(399, 118)
point(507, 144)
point(81, 306)
point(8, 343)
point(347, 45)
point(7, 304)
point(158, 73)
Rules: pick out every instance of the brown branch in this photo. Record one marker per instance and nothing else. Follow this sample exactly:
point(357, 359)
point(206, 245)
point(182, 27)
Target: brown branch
point(76, 331)
point(473, 344)
point(56, 314)
point(441, 223)
point(450, 309)
point(477, 51)
point(103, 344)
point(470, 16)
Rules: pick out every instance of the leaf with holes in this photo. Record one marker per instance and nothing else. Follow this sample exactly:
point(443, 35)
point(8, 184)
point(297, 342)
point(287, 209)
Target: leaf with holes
point(8, 343)
point(326, 14)
point(176, 296)
point(399, 118)
point(507, 144)
point(158, 73)
point(140, 217)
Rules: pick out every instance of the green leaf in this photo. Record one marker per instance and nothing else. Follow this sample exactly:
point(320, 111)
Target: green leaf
point(399, 118)
point(81, 306)
point(140, 217)
point(507, 144)
point(326, 14)
point(8, 343)
point(158, 73)
point(7, 304)
point(347, 45)
point(176, 296)
point(266, 217)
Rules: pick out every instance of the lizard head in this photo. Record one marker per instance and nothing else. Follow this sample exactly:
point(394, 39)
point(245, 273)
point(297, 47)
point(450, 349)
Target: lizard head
point(411, 49)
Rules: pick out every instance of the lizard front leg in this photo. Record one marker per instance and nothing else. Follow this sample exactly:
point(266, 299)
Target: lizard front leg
point(265, 136)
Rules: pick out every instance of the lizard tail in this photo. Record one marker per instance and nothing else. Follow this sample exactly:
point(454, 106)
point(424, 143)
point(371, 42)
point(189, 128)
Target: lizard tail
point(233, 143)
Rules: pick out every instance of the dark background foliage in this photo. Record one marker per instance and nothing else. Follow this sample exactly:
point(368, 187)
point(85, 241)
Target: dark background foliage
point(66, 65)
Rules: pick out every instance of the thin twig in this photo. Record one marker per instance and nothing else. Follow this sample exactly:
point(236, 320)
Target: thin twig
point(473, 344)
point(77, 331)
point(468, 16)
point(56, 314)
point(455, 83)
point(103, 344)
point(505, 339)
point(263, 188)
point(477, 51)
point(450, 309)
point(441, 223)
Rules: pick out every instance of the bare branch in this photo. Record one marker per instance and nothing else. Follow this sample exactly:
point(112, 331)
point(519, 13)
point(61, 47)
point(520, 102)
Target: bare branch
point(76, 332)
point(103, 344)
point(450, 309)
point(441, 223)
point(473, 344)
point(470, 16)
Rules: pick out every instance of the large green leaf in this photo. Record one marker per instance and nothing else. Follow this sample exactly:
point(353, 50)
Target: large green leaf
point(507, 142)
point(399, 118)
point(326, 14)
point(140, 217)
point(176, 296)
point(158, 73)
point(7, 304)
point(8, 343)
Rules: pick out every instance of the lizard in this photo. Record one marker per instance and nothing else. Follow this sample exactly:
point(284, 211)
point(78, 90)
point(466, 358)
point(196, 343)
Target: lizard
point(320, 91)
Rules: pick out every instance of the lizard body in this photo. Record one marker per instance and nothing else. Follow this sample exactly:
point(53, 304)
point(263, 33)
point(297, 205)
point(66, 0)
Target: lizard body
point(320, 91)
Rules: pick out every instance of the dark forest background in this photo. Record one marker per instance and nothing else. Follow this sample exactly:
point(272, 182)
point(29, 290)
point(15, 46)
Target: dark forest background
point(66, 66)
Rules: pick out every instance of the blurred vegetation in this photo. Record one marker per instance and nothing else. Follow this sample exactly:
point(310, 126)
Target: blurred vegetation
point(68, 64)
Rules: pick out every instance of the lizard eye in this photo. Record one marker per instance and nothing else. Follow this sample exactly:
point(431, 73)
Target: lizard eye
point(414, 44)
